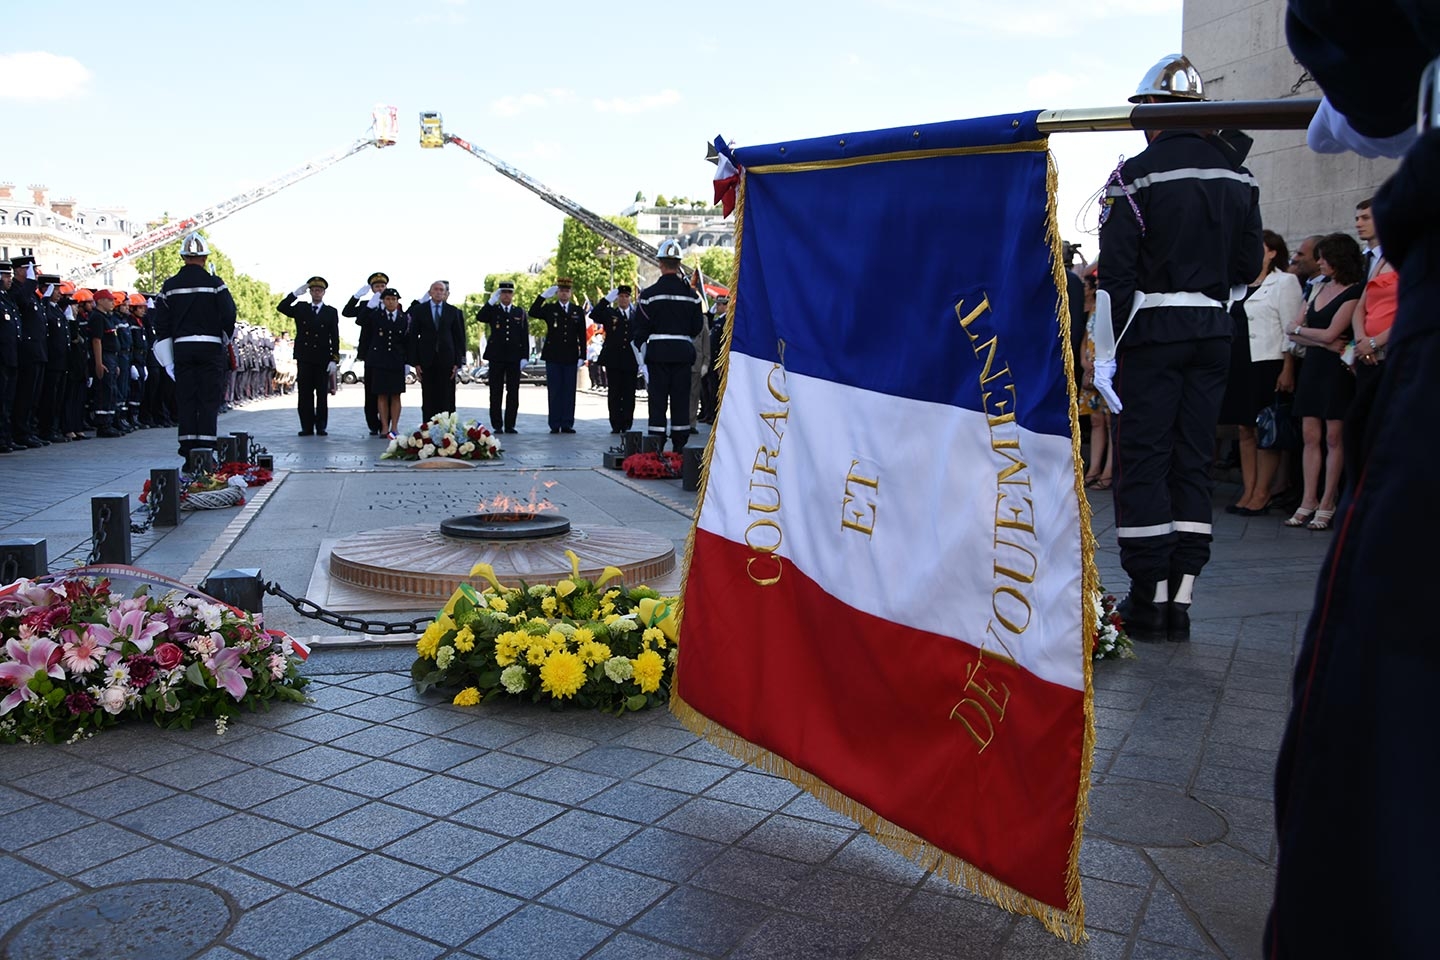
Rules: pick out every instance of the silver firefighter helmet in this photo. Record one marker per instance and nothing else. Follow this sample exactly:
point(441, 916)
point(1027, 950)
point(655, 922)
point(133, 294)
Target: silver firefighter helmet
point(194, 245)
point(1173, 77)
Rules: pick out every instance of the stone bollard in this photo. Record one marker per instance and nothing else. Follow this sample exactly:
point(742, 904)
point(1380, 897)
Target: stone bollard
point(239, 588)
point(165, 494)
point(110, 527)
point(690, 467)
point(22, 557)
point(242, 445)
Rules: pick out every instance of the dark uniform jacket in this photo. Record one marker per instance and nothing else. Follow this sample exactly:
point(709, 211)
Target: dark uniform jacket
point(508, 339)
point(194, 303)
point(358, 308)
point(57, 335)
point(9, 330)
point(435, 346)
point(78, 352)
point(669, 307)
point(1201, 234)
point(564, 330)
point(619, 325)
point(31, 348)
point(102, 328)
point(317, 334)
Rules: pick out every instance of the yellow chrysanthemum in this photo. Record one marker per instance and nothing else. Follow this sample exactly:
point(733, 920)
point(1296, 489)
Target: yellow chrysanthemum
point(548, 606)
point(565, 587)
point(562, 674)
point(467, 697)
point(649, 669)
point(611, 618)
point(610, 595)
point(582, 635)
point(428, 643)
point(499, 605)
point(465, 640)
point(653, 635)
point(536, 655)
point(607, 609)
point(592, 652)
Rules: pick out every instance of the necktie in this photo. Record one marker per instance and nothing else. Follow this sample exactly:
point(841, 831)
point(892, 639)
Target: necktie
point(317, 309)
point(435, 312)
point(1369, 262)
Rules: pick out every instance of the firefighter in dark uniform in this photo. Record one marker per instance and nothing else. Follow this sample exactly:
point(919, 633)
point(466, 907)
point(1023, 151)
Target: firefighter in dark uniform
point(1181, 232)
point(57, 345)
point(31, 354)
point(77, 364)
point(104, 358)
point(710, 383)
point(563, 352)
point(1358, 770)
point(670, 318)
point(507, 345)
point(617, 356)
point(9, 354)
point(194, 316)
point(355, 309)
point(122, 382)
point(317, 352)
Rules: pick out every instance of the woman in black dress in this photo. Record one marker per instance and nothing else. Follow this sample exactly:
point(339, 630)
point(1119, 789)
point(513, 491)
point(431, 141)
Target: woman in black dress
point(385, 356)
point(1326, 384)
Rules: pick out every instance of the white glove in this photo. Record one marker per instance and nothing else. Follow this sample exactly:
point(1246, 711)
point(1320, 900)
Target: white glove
point(374, 303)
point(150, 303)
point(494, 298)
point(134, 374)
point(332, 367)
point(164, 351)
point(69, 313)
point(363, 293)
point(1330, 132)
point(170, 370)
point(1104, 374)
point(30, 271)
point(523, 364)
point(580, 363)
point(549, 291)
point(301, 290)
point(610, 297)
point(425, 299)
point(49, 289)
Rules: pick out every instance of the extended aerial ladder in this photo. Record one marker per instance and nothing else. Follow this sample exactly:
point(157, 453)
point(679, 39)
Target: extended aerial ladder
point(433, 136)
point(382, 132)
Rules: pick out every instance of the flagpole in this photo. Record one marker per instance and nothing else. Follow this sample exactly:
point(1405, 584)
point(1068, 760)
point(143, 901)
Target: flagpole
point(1291, 114)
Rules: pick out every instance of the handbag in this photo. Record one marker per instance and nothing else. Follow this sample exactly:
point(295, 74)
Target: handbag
point(1275, 427)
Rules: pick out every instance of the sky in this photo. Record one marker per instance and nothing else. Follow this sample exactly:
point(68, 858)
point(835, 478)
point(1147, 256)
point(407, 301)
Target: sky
point(185, 105)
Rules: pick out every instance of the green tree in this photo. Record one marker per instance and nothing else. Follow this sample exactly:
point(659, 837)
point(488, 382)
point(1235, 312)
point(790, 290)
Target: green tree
point(660, 200)
point(717, 263)
point(576, 257)
point(527, 287)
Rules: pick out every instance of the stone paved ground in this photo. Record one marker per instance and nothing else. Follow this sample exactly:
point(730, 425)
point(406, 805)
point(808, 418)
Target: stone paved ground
point(375, 823)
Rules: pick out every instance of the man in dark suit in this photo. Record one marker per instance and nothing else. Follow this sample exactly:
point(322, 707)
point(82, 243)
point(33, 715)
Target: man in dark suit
point(617, 315)
point(506, 344)
point(317, 352)
point(437, 345)
point(356, 309)
point(564, 350)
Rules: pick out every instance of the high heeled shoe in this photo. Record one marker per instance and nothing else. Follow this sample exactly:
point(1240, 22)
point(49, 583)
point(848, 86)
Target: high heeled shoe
point(1301, 517)
point(1321, 521)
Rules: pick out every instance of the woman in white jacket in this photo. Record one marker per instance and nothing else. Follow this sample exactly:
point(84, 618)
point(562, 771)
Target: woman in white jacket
point(1274, 304)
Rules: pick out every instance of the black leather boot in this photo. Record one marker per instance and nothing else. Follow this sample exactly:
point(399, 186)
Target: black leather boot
point(1144, 618)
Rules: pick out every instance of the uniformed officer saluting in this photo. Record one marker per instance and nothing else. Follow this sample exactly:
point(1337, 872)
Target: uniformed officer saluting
point(563, 352)
point(356, 308)
point(669, 320)
point(317, 352)
point(506, 344)
point(616, 314)
point(194, 314)
point(1182, 231)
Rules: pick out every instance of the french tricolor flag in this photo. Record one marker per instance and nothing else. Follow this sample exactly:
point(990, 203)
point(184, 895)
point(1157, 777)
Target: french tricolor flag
point(889, 591)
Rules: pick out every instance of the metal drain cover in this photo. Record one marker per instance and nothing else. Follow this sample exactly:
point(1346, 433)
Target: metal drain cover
point(144, 920)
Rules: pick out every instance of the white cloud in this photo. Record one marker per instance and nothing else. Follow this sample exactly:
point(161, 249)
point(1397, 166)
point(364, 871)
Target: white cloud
point(650, 101)
point(512, 105)
point(38, 75)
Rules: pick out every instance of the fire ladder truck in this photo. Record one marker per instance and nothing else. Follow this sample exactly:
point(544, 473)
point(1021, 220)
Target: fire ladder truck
point(382, 133)
point(433, 137)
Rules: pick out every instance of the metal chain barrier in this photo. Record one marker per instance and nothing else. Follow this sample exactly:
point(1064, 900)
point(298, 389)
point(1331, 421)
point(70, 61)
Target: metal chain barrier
point(313, 611)
point(151, 507)
point(100, 535)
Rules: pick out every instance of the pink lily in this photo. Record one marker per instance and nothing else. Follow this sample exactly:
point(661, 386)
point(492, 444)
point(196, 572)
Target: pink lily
point(41, 656)
point(81, 654)
point(225, 665)
point(132, 625)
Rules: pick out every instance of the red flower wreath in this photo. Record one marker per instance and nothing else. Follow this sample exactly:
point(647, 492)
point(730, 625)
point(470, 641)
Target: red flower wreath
point(651, 466)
